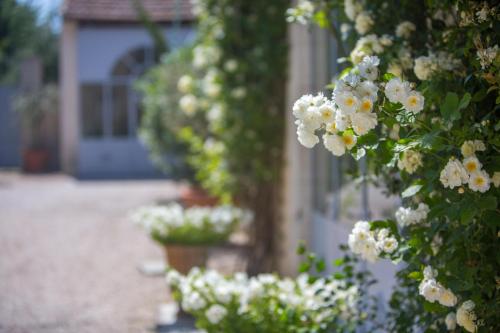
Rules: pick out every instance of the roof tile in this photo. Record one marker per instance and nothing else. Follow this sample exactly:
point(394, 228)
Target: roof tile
point(123, 10)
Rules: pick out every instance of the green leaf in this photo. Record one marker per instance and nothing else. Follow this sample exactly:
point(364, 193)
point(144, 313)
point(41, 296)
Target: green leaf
point(304, 267)
point(388, 76)
point(449, 108)
point(321, 19)
point(488, 203)
point(464, 102)
point(479, 96)
point(368, 139)
point(320, 266)
point(416, 275)
point(467, 212)
point(433, 307)
point(344, 72)
point(411, 191)
point(301, 249)
point(338, 262)
point(492, 217)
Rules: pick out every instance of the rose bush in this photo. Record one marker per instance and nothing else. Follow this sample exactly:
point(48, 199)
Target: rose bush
point(266, 303)
point(420, 99)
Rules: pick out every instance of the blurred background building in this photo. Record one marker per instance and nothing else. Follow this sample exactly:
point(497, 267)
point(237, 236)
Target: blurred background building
point(104, 49)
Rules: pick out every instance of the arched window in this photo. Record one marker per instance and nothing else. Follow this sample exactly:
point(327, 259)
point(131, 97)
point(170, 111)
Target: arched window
point(111, 108)
point(134, 63)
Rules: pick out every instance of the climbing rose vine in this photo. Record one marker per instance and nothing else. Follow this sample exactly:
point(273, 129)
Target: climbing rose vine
point(419, 98)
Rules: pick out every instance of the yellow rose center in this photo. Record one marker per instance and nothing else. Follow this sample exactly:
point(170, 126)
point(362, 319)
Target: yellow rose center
point(327, 114)
point(366, 106)
point(471, 166)
point(479, 181)
point(347, 140)
point(349, 101)
point(412, 100)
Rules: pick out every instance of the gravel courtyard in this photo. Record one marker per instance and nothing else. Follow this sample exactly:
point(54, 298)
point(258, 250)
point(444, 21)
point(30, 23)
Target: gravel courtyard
point(69, 255)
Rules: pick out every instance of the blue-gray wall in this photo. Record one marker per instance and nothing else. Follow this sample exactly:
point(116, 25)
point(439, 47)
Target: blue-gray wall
point(10, 134)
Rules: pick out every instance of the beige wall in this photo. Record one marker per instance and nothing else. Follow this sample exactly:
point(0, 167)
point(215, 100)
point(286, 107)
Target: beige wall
point(69, 128)
point(307, 74)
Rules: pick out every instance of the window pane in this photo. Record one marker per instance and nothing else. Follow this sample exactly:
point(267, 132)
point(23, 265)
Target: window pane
point(138, 56)
point(91, 110)
point(120, 114)
point(122, 68)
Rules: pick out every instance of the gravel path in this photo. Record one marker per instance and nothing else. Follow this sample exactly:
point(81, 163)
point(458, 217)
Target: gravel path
point(69, 255)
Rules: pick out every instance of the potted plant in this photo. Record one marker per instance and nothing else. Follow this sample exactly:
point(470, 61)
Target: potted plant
point(34, 106)
point(186, 233)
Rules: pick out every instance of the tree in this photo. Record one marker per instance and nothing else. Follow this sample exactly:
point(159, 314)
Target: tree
point(23, 35)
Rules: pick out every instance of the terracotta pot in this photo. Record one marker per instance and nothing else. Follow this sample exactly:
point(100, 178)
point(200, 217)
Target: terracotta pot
point(194, 196)
point(35, 160)
point(184, 257)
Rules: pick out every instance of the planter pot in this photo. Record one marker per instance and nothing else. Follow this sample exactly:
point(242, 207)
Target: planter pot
point(184, 257)
point(194, 196)
point(35, 160)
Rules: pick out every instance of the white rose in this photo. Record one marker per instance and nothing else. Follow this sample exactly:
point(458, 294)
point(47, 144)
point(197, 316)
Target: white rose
point(451, 321)
point(306, 138)
point(396, 90)
point(363, 122)
point(334, 144)
point(188, 104)
point(363, 23)
point(466, 317)
point(185, 84)
point(216, 313)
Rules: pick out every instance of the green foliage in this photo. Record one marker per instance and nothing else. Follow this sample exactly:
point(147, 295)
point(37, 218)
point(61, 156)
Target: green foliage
point(162, 121)
point(23, 35)
point(459, 237)
point(246, 66)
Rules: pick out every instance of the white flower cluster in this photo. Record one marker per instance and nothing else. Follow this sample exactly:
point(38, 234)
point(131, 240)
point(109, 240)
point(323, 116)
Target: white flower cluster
point(205, 55)
point(434, 291)
point(350, 112)
point(399, 91)
point(185, 84)
point(487, 55)
point(407, 216)
point(302, 13)
point(405, 29)
point(210, 84)
point(213, 296)
point(198, 7)
point(369, 45)
point(370, 244)
point(189, 104)
point(363, 22)
point(469, 171)
point(410, 161)
point(426, 66)
point(165, 220)
point(466, 317)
